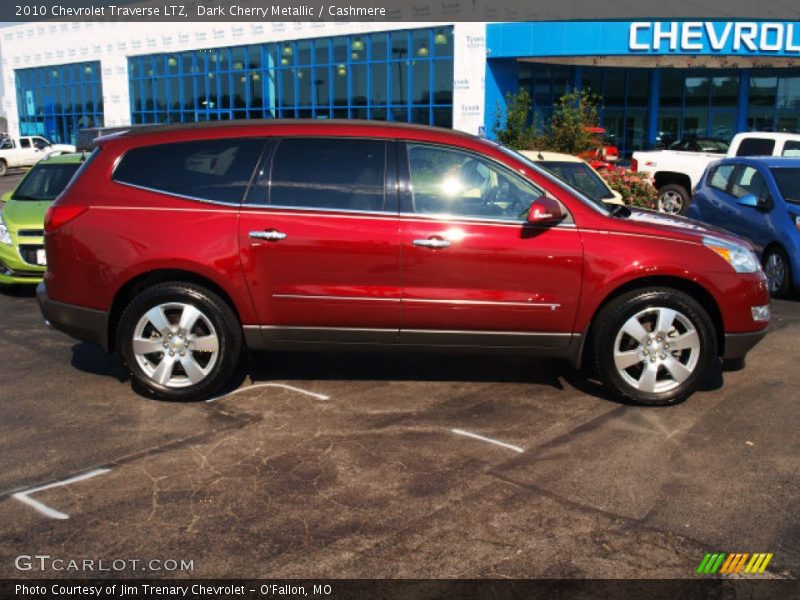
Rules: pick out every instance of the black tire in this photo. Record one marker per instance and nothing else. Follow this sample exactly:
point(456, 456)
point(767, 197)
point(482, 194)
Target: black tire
point(630, 384)
point(217, 320)
point(778, 271)
point(3, 168)
point(673, 199)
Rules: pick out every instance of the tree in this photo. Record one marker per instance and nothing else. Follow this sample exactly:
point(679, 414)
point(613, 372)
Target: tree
point(512, 126)
point(574, 116)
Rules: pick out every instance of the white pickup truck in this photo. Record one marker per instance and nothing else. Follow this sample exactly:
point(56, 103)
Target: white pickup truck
point(26, 151)
point(675, 171)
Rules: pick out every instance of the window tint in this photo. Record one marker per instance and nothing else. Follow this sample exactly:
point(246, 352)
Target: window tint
point(217, 170)
point(446, 181)
point(24, 143)
point(791, 148)
point(336, 174)
point(756, 147)
point(749, 181)
point(720, 176)
point(788, 181)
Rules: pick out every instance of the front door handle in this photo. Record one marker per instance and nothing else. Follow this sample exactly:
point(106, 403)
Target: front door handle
point(432, 242)
point(271, 235)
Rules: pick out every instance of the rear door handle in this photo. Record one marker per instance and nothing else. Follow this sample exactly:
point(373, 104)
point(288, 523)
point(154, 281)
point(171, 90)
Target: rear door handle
point(271, 235)
point(434, 243)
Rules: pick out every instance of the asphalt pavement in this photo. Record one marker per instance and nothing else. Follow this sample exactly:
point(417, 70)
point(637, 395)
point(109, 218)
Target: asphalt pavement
point(354, 465)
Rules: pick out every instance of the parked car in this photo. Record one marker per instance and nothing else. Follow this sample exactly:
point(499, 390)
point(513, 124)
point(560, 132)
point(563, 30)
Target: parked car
point(373, 236)
point(577, 173)
point(22, 256)
point(676, 171)
point(759, 199)
point(606, 155)
point(27, 151)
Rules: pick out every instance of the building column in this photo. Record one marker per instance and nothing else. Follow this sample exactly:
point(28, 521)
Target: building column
point(469, 67)
point(744, 96)
point(502, 77)
point(652, 109)
point(116, 92)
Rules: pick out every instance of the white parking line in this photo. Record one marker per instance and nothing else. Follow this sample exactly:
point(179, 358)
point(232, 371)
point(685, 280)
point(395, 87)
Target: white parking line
point(274, 385)
point(25, 498)
point(486, 439)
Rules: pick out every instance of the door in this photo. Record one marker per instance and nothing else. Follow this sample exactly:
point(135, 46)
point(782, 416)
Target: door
point(753, 223)
point(713, 199)
point(474, 271)
point(319, 242)
point(28, 153)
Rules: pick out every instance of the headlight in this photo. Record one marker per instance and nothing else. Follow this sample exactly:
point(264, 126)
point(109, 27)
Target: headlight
point(5, 234)
point(739, 257)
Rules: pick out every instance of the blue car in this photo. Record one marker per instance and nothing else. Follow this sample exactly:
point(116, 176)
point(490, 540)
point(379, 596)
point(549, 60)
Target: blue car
point(758, 199)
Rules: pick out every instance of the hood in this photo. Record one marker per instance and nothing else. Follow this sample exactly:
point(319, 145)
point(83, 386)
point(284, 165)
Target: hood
point(25, 214)
point(675, 226)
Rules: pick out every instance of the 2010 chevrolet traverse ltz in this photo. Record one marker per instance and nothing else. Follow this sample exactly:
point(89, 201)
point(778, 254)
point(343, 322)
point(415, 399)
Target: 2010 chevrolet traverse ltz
point(182, 247)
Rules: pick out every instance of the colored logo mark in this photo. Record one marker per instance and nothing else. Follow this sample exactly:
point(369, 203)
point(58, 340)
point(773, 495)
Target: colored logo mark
point(741, 562)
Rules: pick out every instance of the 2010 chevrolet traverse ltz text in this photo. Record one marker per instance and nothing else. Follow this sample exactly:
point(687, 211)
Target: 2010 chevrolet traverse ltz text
point(183, 247)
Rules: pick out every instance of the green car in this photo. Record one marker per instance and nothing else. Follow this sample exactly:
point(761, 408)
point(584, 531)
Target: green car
point(22, 258)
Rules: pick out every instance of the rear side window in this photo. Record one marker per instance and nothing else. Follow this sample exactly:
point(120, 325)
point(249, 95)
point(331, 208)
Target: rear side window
point(756, 147)
point(334, 174)
point(217, 170)
point(720, 177)
point(23, 143)
point(791, 148)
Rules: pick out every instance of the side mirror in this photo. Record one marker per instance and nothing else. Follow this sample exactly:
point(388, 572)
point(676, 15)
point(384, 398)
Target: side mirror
point(748, 200)
point(545, 211)
point(7, 196)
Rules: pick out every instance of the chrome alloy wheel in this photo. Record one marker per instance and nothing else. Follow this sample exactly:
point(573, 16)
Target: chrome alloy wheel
point(670, 202)
point(656, 350)
point(775, 270)
point(175, 345)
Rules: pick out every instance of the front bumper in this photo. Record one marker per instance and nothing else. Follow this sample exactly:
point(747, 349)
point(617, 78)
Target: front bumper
point(86, 324)
point(13, 270)
point(737, 345)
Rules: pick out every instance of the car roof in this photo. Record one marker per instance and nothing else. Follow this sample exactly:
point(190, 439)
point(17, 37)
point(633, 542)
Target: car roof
point(71, 157)
point(766, 161)
point(236, 126)
point(770, 135)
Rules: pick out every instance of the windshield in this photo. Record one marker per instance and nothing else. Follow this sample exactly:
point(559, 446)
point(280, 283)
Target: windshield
point(598, 204)
point(788, 180)
point(580, 176)
point(45, 181)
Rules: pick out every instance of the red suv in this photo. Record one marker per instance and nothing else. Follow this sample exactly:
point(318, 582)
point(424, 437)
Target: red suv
point(180, 247)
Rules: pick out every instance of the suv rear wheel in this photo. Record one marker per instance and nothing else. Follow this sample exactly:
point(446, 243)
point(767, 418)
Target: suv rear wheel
point(180, 341)
point(653, 347)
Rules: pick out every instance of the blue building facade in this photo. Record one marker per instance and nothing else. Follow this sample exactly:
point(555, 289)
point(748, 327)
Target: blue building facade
point(656, 81)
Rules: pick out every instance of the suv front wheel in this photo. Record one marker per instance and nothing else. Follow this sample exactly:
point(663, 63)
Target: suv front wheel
point(653, 347)
point(180, 341)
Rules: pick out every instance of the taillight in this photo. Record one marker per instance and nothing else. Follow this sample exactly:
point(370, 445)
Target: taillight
point(634, 164)
point(56, 216)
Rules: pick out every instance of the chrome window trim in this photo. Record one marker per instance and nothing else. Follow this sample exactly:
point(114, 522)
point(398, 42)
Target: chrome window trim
point(174, 195)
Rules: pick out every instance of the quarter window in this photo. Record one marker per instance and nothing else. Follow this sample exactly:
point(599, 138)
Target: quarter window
point(24, 143)
point(452, 182)
point(217, 170)
point(333, 174)
point(720, 177)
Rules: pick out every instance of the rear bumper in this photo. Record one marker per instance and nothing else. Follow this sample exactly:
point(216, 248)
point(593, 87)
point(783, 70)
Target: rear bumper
point(86, 324)
point(737, 345)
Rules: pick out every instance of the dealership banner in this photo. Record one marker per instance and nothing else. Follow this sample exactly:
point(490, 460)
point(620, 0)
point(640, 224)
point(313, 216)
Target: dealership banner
point(399, 589)
point(387, 10)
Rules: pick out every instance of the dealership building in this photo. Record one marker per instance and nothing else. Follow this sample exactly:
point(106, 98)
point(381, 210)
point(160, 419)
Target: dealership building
point(656, 80)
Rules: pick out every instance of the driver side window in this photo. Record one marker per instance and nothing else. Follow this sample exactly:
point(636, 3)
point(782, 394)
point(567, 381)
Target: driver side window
point(451, 182)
